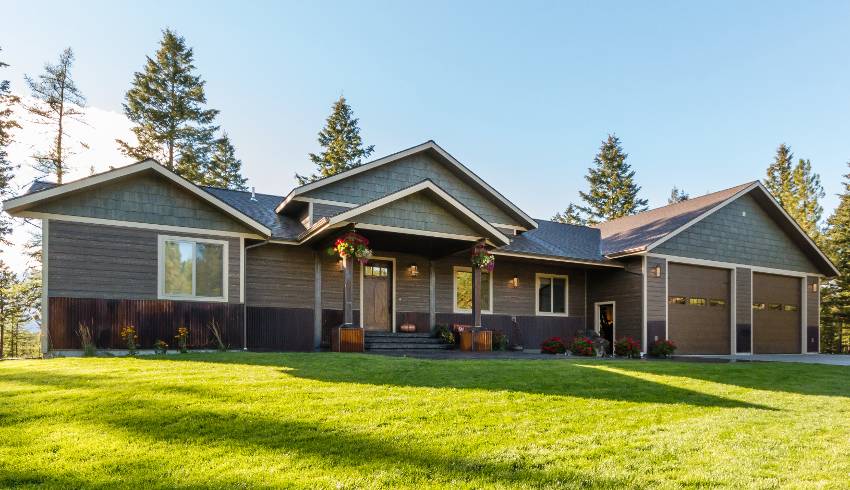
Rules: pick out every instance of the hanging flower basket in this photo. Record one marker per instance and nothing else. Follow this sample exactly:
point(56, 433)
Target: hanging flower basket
point(483, 259)
point(352, 245)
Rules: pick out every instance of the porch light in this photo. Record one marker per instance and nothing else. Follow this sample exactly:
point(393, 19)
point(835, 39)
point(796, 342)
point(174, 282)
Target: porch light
point(514, 282)
point(413, 270)
point(814, 287)
point(340, 265)
point(656, 271)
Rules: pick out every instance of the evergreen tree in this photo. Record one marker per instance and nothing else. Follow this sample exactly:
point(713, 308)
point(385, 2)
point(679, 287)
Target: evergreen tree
point(807, 193)
point(343, 146)
point(571, 216)
point(835, 295)
point(613, 192)
point(7, 310)
point(677, 195)
point(166, 102)
point(778, 180)
point(224, 168)
point(7, 169)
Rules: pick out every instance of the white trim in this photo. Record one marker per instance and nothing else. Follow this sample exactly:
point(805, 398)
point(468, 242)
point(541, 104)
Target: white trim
point(393, 312)
point(410, 231)
point(752, 316)
point(643, 303)
point(241, 269)
point(818, 319)
point(455, 309)
point(160, 279)
point(555, 259)
point(134, 224)
point(398, 156)
point(510, 227)
point(309, 215)
point(728, 265)
point(804, 321)
point(597, 326)
point(666, 300)
point(733, 315)
point(312, 200)
point(29, 199)
point(45, 287)
point(566, 278)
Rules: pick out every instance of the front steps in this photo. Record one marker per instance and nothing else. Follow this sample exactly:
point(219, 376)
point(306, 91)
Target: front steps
point(400, 342)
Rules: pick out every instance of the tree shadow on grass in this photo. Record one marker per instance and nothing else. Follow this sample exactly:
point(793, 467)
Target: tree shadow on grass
point(531, 377)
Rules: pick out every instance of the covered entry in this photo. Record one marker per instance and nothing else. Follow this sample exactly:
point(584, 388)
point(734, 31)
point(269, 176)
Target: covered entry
point(698, 309)
point(776, 314)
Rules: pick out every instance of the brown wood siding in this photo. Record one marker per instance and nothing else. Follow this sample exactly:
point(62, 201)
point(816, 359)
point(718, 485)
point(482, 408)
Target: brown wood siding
point(656, 300)
point(279, 329)
point(280, 276)
point(744, 309)
point(700, 329)
point(332, 283)
point(153, 319)
point(113, 262)
point(776, 332)
point(813, 315)
point(625, 287)
point(421, 319)
point(530, 331)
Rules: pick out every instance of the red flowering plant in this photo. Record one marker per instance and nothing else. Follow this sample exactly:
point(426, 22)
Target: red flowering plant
point(553, 345)
point(352, 245)
point(662, 348)
point(627, 347)
point(483, 259)
point(582, 346)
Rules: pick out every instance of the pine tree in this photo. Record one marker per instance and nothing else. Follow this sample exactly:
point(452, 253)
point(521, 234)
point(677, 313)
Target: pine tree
point(224, 169)
point(167, 104)
point(7, 169)
point(807, 192)
point(778, 180)
point(7, 311)
point(342, 143)
point(835, 295)
point(677, 195)
point(613, 192)
point(59, 100)
point(571, 216)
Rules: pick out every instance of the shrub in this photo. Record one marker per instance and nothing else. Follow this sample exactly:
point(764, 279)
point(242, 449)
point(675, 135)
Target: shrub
point(582, 346)
point(182, 340)
point(500, 341)
point(213, 326)
point(445, 334)
point(627, 347)
point(553, 345)
point(86, 339)
point(662, 348)
point(128, 333)
point(160, 347)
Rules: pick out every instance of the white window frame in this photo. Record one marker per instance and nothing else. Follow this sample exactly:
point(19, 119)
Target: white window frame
point(541, 275)
point(459, 268)
point(160, 280)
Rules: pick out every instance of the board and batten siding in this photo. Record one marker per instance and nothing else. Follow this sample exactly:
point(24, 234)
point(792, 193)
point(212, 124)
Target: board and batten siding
point(144, 199)
point(740, 233)
point(656, 299)
point(280, 276)
point(392, 177)
point(114, 262)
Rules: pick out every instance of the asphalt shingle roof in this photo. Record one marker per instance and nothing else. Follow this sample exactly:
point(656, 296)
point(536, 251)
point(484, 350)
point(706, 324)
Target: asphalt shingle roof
point(558, 240)
point(261, 210)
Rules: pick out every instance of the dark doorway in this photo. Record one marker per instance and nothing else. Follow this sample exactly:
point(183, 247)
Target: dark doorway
point(377, 295)
point(605, 321)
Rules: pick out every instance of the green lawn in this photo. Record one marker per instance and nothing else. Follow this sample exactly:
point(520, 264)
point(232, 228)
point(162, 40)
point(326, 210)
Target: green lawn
point(352, 421)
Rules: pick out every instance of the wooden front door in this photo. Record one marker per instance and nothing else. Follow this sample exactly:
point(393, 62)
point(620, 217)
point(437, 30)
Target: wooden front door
point(377, 295)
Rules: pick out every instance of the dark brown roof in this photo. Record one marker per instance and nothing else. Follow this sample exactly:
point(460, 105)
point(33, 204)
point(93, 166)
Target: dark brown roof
point(635, 233)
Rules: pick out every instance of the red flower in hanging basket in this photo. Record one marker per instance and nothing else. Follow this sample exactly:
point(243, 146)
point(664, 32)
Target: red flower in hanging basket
point(352, 245)
point(483, 259)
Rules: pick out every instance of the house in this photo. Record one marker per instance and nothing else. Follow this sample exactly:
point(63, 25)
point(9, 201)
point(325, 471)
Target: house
point(728, 272)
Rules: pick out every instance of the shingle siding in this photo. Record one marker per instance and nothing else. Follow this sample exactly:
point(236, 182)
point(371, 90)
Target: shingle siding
point(417, 212)
point(728, 235)
point(321, 210)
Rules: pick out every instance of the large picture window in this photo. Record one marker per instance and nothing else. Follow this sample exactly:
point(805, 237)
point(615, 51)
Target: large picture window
point(552, 294)
point(463, 290)
point(192, 269)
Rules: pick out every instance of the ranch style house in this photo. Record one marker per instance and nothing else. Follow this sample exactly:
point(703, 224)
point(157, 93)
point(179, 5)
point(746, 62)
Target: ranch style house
point(724, 273)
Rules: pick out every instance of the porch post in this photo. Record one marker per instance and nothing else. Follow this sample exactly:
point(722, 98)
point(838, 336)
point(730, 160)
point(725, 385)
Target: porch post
point(476, 296)
point(348, 292)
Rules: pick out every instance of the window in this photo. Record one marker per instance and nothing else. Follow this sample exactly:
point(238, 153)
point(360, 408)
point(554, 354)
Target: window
point(791, 308)
point(717, 302)
point(463, 290)
point(192, 268)
point(696, 301)
point(774, 306)
point(376, 271)
point(552, 294)
point(677, 300)
point(758, 306)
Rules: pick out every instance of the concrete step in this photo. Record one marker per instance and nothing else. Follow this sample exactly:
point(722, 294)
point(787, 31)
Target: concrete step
point(397, 334)
point(401, 340)
point(403, 347)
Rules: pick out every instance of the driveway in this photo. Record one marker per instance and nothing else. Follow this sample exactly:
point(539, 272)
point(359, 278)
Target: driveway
point(834, 359)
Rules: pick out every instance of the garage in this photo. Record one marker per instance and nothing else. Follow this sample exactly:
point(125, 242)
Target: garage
point(698, 309)
point(776, 314)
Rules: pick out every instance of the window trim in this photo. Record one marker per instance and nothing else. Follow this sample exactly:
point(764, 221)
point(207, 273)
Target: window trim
point(455, 309)
point(566, 278)
point(160, 276)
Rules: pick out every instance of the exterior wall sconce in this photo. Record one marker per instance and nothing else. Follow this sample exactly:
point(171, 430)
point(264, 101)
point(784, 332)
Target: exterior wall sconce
point(340, 265)
point(413, 270)
point(656, 271)
point(514, 283)
point(814, 287)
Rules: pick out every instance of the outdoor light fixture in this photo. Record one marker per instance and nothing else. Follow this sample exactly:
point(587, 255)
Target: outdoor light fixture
point(515, 282)
point(656, 271)
point(814, 287)
point(413, 270)
point(340, 265)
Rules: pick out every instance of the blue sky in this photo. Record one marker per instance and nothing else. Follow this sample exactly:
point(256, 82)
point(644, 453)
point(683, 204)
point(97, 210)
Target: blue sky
point(521, 92)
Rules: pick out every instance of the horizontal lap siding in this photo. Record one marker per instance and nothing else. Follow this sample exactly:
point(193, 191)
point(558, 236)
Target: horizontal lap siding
point(813, 315)
point(280, 276)
point(656, 300)
point(625, 287)
point(743, 309)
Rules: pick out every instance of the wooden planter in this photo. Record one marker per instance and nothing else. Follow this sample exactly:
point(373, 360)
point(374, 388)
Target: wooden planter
point(347, 339)
point(466, 340)
point(481, 341)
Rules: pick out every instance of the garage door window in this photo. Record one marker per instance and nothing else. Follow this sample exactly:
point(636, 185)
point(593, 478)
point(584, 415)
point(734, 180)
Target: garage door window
point(774, 306)
point(677, 300)
point(696, 301)
point(759, 306)
point(717, 302)
point(791, 308)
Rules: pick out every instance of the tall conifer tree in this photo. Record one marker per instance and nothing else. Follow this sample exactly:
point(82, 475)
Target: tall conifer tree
point(835, 295)
point(7, 169)
point(677, 195)
point(571, 216)
point(778, 180)
point(225, 169)
point(807, 191)
point(343, 146)
point(59, 100)
point(167, 103)
point(613, 192)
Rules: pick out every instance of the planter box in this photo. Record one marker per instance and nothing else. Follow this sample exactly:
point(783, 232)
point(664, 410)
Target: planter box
point(347, 339)
point(480, 341)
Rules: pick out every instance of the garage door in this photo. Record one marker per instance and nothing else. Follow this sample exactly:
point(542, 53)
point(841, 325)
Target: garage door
point(776, 314)
point(698, 309)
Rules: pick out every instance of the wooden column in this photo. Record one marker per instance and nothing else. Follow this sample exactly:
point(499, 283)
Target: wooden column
point(476, 296)
point(348, 292)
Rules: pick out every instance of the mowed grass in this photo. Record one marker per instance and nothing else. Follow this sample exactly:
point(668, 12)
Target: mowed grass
point(353, 421)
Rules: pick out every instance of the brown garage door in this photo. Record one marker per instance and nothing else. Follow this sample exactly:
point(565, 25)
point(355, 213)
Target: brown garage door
point(776, 314)
point(698, 309)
